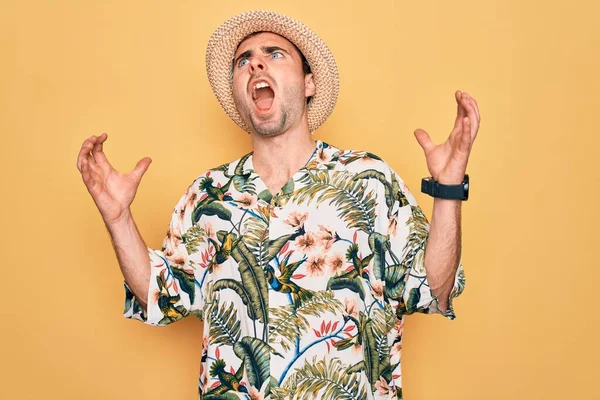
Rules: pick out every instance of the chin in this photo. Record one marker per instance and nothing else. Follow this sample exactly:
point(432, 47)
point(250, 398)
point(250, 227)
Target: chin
point(272, 127)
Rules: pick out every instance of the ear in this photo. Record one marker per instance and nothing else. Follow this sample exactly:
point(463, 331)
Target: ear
point(309, 86)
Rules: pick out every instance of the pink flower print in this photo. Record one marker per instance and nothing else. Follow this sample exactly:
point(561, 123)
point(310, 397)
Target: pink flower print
point(396, 349)
point(326, 237)
point(315, 265)
point(323, 156)
point(350, 308)
point(247, 201)
point(382, 386)
point(174, 238)
point(155, 296)
point(306, 243)
point(357, 349)
point(393, 225)
point(175, 256)
point(190, 200)
point(190, 197)
point(377, 287)
point(336, 263)
point(209, 230)
point(399, 326)
point(172, 242)
point(405, 189)
point(296, 219)
point(367, 159)
point(255, 394)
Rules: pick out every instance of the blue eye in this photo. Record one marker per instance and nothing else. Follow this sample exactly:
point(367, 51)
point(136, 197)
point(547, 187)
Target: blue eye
point(277, 54)
point(243, 62)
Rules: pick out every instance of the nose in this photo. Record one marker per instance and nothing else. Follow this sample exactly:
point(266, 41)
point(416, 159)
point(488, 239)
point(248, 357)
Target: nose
point(257, 64)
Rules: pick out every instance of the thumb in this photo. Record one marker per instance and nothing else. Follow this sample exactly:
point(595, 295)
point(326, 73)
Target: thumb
point(141, 168)
point(424, 140)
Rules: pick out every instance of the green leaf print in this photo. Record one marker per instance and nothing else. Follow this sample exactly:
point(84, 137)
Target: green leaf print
point(359, 366)
point(416, 240)
point(253, 280)
point(288, 188)
point(379, 245)
point(370, 353)
point(256, 236)
point(224, 324)
point(413, 300)
point(241, 180)
point(256, 356)
point(356, 206)
point(186, 282)
point(354, 284)
point(328, 380)
point(193, 237)
point(383, 322)
point(213, 208)
point(380, 176)
point(266, 196)
point(288, 323)
point(394, 281)
point(237, 287)
point(224, 396)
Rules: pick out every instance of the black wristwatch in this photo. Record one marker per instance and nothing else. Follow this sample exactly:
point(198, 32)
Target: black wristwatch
point(451, 192)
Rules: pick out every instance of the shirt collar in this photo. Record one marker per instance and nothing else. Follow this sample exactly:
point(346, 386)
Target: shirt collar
point(324, 153)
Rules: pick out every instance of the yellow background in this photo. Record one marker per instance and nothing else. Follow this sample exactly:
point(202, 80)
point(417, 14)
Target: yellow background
point(527, 325)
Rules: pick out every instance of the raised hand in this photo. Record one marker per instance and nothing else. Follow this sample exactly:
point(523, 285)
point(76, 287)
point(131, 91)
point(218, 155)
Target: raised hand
point(447, 162)
point(112, 191)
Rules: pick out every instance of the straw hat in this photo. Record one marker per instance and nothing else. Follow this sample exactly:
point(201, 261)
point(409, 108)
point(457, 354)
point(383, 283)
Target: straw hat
point(225, 40)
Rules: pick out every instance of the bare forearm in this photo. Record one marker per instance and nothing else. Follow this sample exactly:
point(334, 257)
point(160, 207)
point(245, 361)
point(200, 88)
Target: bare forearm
point(132, 254)
point(443, 250)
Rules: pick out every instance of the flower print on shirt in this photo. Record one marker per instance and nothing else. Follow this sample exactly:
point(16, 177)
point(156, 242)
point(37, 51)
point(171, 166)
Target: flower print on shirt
point(306, 243)
point(296, 287)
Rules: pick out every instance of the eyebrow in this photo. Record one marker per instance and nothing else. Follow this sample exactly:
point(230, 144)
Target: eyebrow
point(265, 50)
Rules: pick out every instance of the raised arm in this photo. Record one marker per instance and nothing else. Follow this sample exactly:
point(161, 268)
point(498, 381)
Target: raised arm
point(113, 192)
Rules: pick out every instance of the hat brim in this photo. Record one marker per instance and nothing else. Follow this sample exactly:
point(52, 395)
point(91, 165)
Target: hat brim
point(225, 40)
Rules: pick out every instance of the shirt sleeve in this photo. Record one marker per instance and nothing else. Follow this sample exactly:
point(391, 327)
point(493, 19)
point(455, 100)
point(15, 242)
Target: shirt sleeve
point(174, 290)
point(406, 284)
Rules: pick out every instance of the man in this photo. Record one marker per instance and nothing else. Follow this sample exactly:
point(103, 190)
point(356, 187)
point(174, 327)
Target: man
point(301, 259)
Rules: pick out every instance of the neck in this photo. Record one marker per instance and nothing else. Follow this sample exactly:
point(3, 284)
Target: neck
point(277, 158)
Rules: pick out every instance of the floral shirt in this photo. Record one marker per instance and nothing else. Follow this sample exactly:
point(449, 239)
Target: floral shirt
point(303, 293)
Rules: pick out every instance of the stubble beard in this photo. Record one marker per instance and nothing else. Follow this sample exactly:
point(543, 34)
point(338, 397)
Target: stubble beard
point(270, 128)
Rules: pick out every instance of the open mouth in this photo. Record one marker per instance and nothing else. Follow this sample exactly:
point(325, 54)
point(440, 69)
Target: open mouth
point(263, 96)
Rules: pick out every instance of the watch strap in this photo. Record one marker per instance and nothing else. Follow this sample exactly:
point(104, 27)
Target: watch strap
point(451, 192)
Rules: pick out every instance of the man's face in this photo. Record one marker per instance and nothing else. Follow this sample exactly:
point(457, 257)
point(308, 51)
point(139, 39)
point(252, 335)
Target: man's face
point(269, 84)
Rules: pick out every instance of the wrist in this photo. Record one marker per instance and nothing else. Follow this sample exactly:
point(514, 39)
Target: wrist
point(450, 180)
point(124, 219)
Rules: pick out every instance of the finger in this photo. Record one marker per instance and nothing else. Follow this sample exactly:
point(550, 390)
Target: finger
point(424, 140)
point(475, 106)
point(86, 174)
point(460, 110)
point(90, 158)
point(465, 139)
point(86, 147)
point(471, 114)
point(141, 168)
point(98, 150)
point(93, 141)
